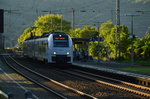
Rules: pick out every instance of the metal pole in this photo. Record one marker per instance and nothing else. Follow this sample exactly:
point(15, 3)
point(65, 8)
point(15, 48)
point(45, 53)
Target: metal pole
point(132, 49)
point(52, 24)
point(73, 21)
point(118, 12)
point(98, 26)
point(98, 42)
point(3, 38)
point(37, 12)
point(0, 41)
point(132, 37)
point(131, 25)
point(117, 30)
point(61, 22)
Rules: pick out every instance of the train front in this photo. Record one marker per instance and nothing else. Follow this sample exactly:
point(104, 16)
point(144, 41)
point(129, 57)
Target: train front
point(61, 48)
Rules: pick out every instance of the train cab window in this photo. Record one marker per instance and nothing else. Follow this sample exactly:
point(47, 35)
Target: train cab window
point(60, 41)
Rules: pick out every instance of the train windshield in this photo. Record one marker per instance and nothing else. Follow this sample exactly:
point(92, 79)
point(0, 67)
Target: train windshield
point(60, 40)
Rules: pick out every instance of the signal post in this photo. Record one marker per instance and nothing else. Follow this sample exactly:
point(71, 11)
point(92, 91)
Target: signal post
point(1, 29)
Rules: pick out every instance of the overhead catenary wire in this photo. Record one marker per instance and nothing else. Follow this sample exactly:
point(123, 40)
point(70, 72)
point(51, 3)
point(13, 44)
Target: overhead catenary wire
point(90, 19)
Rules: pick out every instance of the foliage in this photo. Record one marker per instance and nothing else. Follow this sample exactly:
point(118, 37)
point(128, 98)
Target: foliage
point(146, 47)
point(125, 41)
point(143, 62)
point(112, 42)
point(45, 24)
point(26, 34)
point(142, 47)
point(93, 49)
point(138, 44)
point(108, 47)
point(116, 44)
point(86, 32)
point(51, 22)
point(114, 47)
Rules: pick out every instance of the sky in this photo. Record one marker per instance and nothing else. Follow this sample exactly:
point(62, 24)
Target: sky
point(21, 14)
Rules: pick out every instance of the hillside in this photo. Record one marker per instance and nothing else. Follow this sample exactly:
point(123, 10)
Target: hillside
point(20, 14)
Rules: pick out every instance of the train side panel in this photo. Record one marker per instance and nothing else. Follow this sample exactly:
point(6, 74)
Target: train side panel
point(41, 49)
point(56, 48)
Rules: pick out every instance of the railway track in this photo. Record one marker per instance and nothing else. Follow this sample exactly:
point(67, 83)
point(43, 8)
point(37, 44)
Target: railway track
point(126, 87)
point(60, 90)
point(136, 89)
point(122, 85)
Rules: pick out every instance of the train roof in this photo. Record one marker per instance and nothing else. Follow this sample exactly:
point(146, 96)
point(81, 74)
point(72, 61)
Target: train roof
point(33, 37)
point(46, 35)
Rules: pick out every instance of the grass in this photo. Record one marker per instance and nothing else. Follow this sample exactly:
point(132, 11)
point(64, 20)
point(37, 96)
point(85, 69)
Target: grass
point(145, 70)
point(142, 62)
point(138, 62)
point(144, 67)
point(2, 97)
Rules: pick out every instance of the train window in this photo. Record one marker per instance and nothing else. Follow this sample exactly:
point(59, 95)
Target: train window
point(60, 41)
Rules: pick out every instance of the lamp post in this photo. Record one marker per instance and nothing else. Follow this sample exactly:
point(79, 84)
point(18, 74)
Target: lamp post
point(132, 36)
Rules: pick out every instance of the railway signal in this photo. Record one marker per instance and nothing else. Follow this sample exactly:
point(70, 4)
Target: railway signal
point(1, 20)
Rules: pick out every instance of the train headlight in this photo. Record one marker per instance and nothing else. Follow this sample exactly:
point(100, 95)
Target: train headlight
point(68, 53)
point(54, 53)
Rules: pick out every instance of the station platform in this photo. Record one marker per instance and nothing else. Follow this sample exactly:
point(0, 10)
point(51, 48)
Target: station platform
point(112, 67)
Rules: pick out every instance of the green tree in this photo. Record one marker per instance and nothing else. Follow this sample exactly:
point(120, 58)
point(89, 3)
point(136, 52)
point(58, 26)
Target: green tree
point(112, 42)
point(26, 34)
point(45, 24)
point(138, 50)
point(142, 47)
point(109, 39)
point(146, 47)
point(86, 32)
point(124, 42)
point(94, 49)
point(51, 22)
